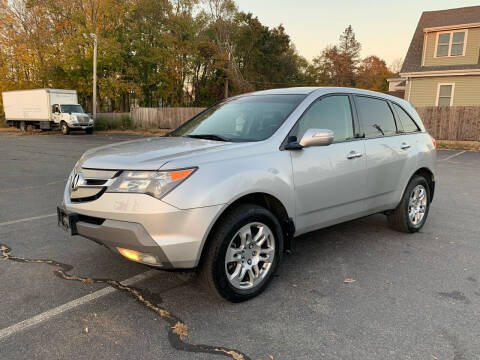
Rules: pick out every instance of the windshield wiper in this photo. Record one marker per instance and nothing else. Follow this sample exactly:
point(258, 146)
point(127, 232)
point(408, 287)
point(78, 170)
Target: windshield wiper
point(210, 137)
point(378, 128)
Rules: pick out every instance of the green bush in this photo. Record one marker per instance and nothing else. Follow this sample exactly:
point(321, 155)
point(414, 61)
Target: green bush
point(126, 122)
point(104, 123)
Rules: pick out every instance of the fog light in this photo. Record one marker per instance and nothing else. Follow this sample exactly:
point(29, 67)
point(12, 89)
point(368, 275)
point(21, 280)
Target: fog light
point(139, 256)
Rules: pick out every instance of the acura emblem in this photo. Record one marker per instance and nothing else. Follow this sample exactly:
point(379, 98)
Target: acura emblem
point(76, 181)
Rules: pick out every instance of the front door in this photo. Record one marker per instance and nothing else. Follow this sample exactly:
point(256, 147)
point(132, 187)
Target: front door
point(56, 114)
point(329, 180)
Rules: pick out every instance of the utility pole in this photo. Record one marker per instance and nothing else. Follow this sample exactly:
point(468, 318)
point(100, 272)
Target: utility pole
point(94, 37)
point(226, 75)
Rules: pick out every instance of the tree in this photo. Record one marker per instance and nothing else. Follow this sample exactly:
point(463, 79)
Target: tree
point(349, 49)
point(373, 74)
point(266, 57)
point(159, 52)
point(337, 65)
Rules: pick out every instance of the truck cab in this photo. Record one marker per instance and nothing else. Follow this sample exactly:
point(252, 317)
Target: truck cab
point(71, 117)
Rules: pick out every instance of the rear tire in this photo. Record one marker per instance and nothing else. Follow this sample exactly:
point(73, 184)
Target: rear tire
point(218, 274)
point(64, 127)
point(412, 212)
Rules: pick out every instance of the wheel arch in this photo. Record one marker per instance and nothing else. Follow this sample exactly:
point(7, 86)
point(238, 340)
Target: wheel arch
point(265, 200)
point(429, 176)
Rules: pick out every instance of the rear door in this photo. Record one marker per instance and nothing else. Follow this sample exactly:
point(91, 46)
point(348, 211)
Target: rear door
point(329, 180)
point(389, 155)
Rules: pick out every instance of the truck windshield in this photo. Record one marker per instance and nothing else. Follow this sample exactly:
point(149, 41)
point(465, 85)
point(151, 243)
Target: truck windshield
point(248, 118)
point(71, 108)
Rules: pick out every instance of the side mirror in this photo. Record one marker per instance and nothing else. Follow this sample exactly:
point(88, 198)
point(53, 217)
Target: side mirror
point(317, 137)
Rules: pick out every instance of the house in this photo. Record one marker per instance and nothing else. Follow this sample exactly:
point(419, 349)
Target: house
point(442, 65)
point(396, 86)
point(396, 83)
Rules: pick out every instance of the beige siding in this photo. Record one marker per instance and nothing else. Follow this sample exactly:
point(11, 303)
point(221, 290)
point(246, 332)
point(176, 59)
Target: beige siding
point(471, 52)
point(424, 90)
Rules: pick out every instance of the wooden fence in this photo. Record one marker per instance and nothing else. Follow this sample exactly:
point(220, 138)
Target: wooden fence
point(113, 116)
point(456, 123)
point(162, 118)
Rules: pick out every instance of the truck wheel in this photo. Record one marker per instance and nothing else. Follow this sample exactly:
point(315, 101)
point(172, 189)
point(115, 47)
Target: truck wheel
point(89, 131)
point(410, 215)
point(243, 253)
point(64, 127)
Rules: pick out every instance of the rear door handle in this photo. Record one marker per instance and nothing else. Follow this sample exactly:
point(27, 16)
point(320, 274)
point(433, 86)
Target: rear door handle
point(405, 146)
point(354, 155)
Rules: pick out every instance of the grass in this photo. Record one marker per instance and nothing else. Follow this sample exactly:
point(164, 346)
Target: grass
point(465, 145)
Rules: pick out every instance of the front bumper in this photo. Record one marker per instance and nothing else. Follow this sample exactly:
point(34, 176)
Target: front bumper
point(82, 126)
point(145, 224)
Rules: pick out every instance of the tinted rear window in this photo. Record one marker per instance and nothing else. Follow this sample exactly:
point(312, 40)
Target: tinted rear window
point(408, 124)
point(376, 117)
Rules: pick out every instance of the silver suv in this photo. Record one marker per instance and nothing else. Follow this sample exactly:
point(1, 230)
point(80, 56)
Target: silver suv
point(226, 192)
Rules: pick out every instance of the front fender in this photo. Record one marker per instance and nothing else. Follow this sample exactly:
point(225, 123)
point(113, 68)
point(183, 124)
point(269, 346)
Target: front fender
point(222, 182)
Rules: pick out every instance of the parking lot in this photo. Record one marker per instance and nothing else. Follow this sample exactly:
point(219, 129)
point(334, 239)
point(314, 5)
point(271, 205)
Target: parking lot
point(410, 296)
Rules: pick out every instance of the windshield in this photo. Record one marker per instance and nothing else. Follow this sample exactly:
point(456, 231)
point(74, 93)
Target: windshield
point(249, 118)
point(71, 108)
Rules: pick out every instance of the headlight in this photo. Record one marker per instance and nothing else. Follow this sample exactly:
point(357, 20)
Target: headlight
point(154, 183)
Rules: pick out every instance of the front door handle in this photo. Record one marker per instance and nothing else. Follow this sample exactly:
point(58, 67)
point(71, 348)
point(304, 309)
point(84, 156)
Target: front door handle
point(405, 146)
point(354, 155)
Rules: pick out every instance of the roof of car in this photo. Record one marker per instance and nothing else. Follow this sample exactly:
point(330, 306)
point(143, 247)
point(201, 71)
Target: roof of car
point(323, 90)
point(287, 91)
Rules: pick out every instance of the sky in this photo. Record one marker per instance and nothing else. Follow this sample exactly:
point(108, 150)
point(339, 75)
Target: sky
point(384, 28)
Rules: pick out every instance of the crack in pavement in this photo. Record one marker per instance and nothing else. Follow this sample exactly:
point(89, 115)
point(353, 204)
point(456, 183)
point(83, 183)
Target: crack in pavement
point(178, 330)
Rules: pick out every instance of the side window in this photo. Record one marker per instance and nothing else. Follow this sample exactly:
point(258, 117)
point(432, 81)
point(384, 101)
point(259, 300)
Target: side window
point(376, 117)
point(330, 113)
point(408, 124)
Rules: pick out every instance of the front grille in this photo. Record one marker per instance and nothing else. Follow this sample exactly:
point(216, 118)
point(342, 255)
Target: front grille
point(90, 184)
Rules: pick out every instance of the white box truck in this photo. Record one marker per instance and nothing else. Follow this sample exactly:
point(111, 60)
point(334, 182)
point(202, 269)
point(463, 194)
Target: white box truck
point(45, 109)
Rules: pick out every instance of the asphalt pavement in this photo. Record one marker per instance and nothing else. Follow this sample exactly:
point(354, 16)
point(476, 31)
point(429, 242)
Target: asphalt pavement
point(411, 296)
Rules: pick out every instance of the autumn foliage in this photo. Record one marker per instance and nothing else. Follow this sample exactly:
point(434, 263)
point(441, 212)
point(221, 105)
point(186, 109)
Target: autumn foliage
point(163, 52)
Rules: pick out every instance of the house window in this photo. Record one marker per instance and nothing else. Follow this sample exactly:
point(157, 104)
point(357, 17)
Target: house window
point(445, 94)
point(451, 43)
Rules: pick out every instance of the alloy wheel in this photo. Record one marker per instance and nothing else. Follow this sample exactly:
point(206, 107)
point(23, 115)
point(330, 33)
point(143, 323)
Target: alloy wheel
point(250, 255)
point(417, 204)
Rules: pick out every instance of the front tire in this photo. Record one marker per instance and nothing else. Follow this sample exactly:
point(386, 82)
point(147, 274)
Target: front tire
point(89, 131)
point(64, 127)
point(243, 253)
point(412, 212)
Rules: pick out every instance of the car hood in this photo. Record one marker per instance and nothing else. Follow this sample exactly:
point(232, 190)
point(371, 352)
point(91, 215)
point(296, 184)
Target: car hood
point(146, 154)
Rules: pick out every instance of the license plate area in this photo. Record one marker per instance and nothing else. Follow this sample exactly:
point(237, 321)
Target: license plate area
point(67, 221)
